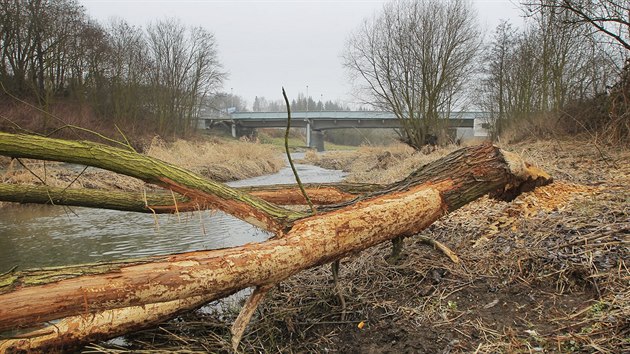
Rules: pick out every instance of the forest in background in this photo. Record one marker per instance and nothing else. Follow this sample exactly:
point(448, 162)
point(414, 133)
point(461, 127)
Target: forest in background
point(560, 72)
point(563, 71)
point(53, 54)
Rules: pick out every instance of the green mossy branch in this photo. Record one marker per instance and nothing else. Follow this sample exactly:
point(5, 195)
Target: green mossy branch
point(155, 202)
point(148, 169)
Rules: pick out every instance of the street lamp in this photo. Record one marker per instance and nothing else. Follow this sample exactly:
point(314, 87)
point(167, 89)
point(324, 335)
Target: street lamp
point(308, 124)
point(232, 96)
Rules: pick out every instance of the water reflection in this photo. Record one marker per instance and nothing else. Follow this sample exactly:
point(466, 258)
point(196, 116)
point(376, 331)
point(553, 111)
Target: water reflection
point(41, 236)
point(49, 235)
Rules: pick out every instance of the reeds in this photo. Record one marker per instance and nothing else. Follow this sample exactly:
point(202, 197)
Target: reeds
point(220, 160)
point(377, 164)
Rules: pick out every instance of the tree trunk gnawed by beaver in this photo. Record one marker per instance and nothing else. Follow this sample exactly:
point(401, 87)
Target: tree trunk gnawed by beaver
point(99, 301)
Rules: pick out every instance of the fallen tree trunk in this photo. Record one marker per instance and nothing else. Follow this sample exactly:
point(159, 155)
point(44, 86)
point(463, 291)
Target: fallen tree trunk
point(135, 294)
point(202, 193)
point(163, 202)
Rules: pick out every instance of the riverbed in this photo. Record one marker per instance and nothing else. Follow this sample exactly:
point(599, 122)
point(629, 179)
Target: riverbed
point(33, 236)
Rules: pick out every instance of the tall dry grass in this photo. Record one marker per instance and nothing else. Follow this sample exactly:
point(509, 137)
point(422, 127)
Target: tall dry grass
point(219, 159)
point(55, 174)
point(4, 161)
point(377, 164)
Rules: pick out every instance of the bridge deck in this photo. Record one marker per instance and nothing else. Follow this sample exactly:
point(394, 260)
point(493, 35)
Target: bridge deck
point(465, 123)
point(323, 120)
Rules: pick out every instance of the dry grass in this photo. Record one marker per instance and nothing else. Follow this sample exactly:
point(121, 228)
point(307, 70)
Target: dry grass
point(220, 160)
point(60, 175)
point(4, 161)
point(547, 272)
point(376, 164)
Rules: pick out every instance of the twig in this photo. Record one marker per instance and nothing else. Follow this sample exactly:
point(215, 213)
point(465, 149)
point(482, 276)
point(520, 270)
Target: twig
point(179, 219)
point(70, 126)
point(33, 173)
point(286, 148)
point(146, 204)
point(125, 137)
point(9, 271)
point(335, 270)
point(75, 178)
point(440, 246)
point(239, 325)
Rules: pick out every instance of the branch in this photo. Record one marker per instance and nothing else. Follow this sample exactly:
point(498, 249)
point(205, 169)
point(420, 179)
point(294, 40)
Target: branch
point(286, 148)
point(192, 186)
point(162, 202)
point(31, 297)
point(94, 198)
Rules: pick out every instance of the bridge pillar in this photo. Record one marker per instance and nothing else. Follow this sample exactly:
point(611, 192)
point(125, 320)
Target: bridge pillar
point(234, 130)
point(317, 139)
point(308, 133)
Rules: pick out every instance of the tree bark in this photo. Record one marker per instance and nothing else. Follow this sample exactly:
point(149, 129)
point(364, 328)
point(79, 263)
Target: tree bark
point(134, 294)
point(163, 202)
point(204, 193)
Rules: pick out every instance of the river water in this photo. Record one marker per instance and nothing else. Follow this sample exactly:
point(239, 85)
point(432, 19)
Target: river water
point(41, 236)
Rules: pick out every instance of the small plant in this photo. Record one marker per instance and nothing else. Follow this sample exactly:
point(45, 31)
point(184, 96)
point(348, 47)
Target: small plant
point(571, 346)
point(598, 308)
point(452, 305)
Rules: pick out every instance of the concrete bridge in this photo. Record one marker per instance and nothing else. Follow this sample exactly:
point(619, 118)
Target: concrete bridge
point(465, 124)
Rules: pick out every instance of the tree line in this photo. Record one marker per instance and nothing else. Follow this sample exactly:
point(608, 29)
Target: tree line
point(566, 66)
point(52, 51)
point(557, 67)
point(423, 58)
point(301, 104)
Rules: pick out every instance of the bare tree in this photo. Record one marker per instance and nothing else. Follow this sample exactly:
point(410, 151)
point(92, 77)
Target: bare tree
point(495, 84)
point(22, 37)
point(227, 102)
point(610, 17)
point(538, 71)
point(129, 63)
point(185, 68)
point(414, 59)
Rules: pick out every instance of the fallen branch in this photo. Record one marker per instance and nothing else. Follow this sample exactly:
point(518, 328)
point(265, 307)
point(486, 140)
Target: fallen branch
point(140, 293)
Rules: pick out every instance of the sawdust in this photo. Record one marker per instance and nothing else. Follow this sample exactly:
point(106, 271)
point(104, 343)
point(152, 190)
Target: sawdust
point(545, 199)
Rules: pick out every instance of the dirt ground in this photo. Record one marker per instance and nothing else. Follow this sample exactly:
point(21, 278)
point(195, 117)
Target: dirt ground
point(547, 272)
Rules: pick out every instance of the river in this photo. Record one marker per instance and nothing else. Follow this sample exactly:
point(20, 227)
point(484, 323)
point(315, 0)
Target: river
point(34, 236)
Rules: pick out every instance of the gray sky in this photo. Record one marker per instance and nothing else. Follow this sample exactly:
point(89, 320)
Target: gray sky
point(265, 44)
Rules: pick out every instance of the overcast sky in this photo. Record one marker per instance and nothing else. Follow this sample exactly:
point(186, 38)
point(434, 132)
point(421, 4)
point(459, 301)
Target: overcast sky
point(265, 45)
